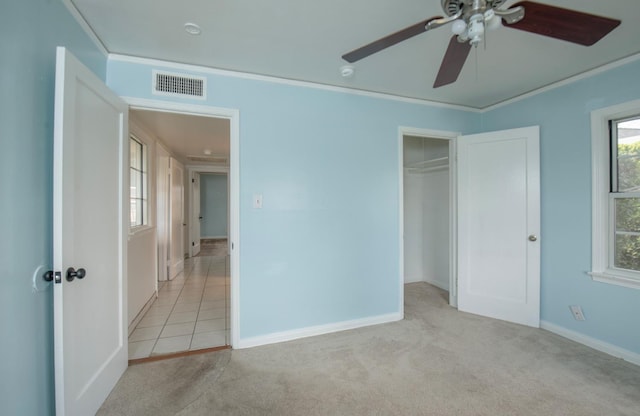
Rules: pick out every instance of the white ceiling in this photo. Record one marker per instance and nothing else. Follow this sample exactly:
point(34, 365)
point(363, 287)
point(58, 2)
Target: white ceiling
point(304, 40)
point(186, 135)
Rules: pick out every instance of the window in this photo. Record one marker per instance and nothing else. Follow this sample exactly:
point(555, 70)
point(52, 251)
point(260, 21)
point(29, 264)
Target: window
point(138, 182)
point(616, 195)
point(625, 193)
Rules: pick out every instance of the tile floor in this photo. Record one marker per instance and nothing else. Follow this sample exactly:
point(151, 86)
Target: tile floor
point(190, 313)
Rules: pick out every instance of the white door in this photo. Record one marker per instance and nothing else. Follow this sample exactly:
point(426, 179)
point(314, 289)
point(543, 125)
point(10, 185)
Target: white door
point(196, 220)
point(89, 229)
point(176, 229)
point(499, 225)
point(162, 159)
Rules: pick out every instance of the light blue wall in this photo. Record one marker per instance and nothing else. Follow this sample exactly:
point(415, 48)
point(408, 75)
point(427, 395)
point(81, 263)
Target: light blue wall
point(324, 248)
point(30, 30)
point(563, 114)
point(213, 205)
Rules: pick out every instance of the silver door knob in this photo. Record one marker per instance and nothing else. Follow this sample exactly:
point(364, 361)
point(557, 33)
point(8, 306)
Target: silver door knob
point(533, 237)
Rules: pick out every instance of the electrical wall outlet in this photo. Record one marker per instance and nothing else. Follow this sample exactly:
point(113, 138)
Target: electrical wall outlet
point(576, 310)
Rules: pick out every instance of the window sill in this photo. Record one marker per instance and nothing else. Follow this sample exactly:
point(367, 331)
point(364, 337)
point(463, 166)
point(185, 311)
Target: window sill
point(139, 230)
point(614, 278)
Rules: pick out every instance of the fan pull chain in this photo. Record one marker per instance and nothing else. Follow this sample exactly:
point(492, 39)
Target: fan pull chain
point(476, 54)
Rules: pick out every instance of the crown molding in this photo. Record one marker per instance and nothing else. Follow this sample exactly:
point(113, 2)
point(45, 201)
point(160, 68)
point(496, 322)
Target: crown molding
point(85, 26)
point(284, 81)
point(570, 80)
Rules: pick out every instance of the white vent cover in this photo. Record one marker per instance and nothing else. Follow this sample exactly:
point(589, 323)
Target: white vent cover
point(166, 83)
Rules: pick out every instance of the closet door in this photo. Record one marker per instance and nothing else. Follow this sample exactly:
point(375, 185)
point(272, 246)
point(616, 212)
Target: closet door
point(499, 225)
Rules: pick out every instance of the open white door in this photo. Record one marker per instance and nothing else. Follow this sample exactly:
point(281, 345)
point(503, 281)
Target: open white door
point(499, 225)
point(162, 217)
point(196, 218)
point(176, 228)
point(89, 229)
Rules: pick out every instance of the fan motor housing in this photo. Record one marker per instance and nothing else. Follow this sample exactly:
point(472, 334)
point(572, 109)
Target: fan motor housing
point(452, 7)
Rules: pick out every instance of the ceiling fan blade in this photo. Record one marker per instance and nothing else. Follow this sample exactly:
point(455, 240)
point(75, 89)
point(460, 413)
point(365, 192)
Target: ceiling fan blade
point(570, 25)
point(387, 41)
point(452, 62)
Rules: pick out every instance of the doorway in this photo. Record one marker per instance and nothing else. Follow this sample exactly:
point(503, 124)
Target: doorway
point(192, 309)
point(428, 195)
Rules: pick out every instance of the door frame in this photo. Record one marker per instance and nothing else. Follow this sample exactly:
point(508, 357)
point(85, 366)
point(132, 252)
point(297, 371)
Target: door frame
point(453, 204)
point(191, 169)
point(233, 115)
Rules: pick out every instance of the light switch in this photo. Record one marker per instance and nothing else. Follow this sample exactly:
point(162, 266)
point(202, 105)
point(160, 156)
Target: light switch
point(257, 201)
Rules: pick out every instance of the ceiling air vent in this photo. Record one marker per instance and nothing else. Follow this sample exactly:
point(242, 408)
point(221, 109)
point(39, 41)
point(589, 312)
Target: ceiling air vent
point(165, 83)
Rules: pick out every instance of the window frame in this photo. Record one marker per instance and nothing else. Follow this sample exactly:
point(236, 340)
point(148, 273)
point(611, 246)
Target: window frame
point(144, 163)
point(603, 215)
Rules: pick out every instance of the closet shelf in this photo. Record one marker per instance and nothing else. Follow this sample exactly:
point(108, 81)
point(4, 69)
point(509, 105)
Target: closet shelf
point(428, 165)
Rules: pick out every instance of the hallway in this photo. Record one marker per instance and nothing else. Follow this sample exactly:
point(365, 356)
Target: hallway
point(190, 313)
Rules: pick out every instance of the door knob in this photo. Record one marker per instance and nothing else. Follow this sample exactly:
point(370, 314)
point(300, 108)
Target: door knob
point(533, 237)
point(73, 273)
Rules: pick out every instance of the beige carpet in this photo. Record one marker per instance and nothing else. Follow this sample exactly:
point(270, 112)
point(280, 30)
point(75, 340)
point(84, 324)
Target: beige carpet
point(436, 362)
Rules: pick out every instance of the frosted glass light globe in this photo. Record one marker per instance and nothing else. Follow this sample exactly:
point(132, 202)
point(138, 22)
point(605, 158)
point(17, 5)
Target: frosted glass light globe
point(491, 20)
point(458, 27)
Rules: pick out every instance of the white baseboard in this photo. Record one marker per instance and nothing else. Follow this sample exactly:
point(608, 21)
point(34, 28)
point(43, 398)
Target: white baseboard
point(596, 344)
point(316, 330)
point(140, 314)
point(441, 285)
point(413, 279)
point(215, 237)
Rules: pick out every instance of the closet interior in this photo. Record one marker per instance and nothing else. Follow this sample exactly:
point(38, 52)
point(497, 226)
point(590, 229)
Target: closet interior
point(427, 234)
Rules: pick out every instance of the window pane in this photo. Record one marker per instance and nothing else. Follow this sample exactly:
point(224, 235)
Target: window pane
point(136, 184)
point(135, 154)
point(627, 252)
point(627, 214)
point(628, 134)
point(135, 217)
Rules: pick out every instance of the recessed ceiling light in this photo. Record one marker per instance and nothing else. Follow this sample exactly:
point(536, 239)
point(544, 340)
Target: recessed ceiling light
point(207, 152)
point(192, 29)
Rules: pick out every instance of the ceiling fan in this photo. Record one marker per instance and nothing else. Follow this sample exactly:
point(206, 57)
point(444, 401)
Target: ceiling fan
point(470, 18)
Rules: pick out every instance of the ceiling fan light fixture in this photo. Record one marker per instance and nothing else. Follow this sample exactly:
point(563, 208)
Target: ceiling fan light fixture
point(458, 27)
point(491, 20)
point(476, 29)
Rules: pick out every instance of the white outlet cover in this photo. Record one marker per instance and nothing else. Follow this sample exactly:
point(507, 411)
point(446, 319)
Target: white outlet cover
point(576, 310)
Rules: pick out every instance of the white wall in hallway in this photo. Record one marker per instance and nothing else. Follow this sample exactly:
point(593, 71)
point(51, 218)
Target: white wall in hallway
point(142, 254)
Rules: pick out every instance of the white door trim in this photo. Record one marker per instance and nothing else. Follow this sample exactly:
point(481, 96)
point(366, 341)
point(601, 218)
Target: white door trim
point(233, 115)
point(432, 134)
point(191, 169)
